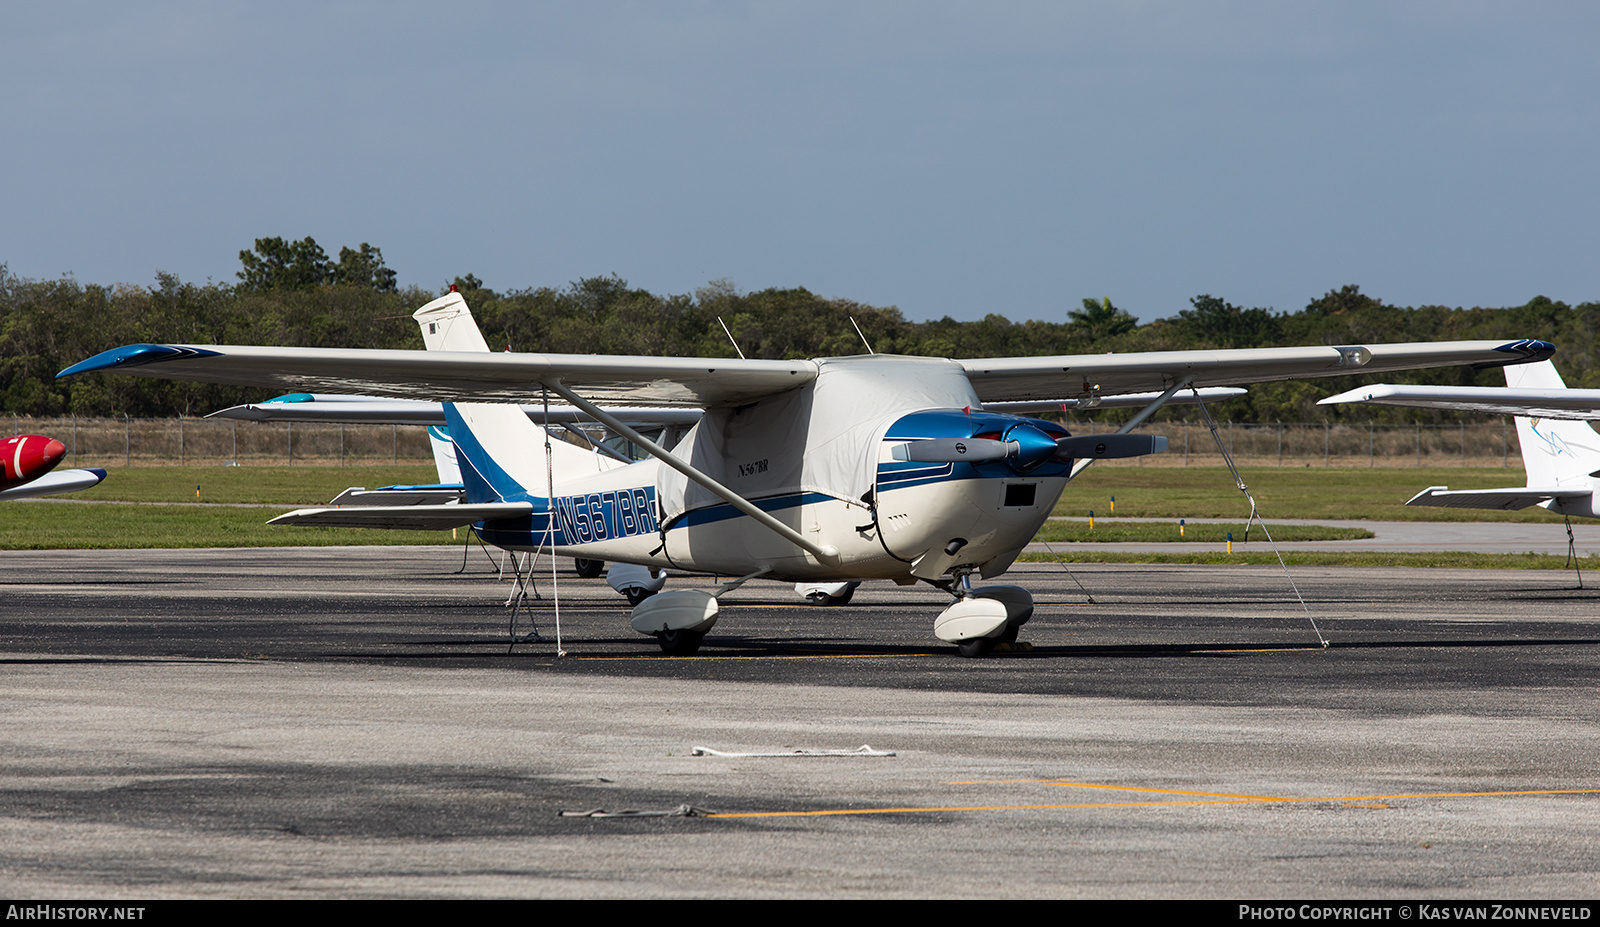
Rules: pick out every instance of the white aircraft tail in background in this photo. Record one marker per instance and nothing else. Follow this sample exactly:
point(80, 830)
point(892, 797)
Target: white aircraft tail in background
point(444, 455)
point(1560, 451)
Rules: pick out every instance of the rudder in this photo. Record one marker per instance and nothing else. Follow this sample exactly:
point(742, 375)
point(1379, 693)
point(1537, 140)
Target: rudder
point(500, 452)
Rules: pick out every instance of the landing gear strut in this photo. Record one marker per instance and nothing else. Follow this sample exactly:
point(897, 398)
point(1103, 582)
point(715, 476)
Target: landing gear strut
point(984, 617)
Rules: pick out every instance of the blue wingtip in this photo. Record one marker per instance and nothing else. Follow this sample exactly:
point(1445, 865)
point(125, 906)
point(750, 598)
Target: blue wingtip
point(1528, 351)
point(294, 397)
point(134, 355)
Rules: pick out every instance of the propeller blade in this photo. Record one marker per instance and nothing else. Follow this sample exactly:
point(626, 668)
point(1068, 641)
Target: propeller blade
point(1106, 446)
point(954, 450)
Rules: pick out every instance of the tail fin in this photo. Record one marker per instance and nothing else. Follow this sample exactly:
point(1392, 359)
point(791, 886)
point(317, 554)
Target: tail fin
point(1555, 452)
point(499, 451)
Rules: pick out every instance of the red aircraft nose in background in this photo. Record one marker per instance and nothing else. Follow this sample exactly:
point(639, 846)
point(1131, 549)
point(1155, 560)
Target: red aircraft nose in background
point(28, 457)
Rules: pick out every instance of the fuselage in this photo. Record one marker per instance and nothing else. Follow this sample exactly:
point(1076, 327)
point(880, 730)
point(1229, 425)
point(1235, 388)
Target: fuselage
point(820, 462)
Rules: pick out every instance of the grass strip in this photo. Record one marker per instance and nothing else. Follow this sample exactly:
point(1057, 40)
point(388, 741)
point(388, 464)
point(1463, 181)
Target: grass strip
point(1113, 531)
point(1287, 492)
point(45, 525)
point(1445, 559)
point(294, 487)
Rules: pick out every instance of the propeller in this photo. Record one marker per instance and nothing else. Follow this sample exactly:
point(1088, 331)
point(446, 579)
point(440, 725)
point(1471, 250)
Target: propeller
point(955, 450)
point(1106, 446)
point(1029, 446)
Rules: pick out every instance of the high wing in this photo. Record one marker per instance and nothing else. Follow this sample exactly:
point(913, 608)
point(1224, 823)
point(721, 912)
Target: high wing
point(460, 376)
point(1023, 378)
point(722, 382)
point(1574, 404)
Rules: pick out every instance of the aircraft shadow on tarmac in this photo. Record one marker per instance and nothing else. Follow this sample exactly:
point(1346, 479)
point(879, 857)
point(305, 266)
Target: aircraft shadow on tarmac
point(733, 647)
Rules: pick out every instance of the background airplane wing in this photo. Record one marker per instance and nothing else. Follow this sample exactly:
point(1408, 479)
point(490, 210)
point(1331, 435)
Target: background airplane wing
point(370, 410)
point(1120, 401)
point(56, 482)
point(468, 376)
point(1577, 404)
point(1023, 378)
point(1510, 499)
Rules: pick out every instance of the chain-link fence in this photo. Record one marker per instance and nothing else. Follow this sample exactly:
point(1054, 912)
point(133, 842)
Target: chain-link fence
point(101, 442)
point(1491, 443)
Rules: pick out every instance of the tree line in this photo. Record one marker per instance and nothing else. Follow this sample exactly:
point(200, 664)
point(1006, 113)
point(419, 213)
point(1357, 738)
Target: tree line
point(293, 294)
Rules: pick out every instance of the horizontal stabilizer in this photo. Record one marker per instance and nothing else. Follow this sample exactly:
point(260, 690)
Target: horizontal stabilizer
point(399, 495)
point(1509, 499)
point(404, 517)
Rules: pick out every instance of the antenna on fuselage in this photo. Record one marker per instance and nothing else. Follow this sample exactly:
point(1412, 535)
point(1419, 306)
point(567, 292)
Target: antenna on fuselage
point(861, 336)
point(730, 336)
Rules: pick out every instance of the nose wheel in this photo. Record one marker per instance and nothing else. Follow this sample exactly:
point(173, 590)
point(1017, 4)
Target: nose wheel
point(681, 643)
point(974, 647)
point(984, 618)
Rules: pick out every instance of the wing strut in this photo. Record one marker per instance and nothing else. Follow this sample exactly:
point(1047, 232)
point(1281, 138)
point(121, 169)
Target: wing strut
point(1149, 410)
point(827, 553)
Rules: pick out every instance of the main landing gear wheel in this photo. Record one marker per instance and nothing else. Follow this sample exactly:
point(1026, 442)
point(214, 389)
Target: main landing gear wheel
point(822, 598)
point(680, 643)
point(588, 569)
point(637, 594)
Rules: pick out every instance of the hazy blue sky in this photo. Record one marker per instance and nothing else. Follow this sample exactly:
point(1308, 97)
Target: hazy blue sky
point(948, 158)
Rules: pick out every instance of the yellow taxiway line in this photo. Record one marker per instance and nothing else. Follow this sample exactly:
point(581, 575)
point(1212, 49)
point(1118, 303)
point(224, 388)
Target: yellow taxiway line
point(1201, 798)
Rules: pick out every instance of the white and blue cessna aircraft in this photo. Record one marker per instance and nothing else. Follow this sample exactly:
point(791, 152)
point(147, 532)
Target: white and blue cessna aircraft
point(824, 470)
